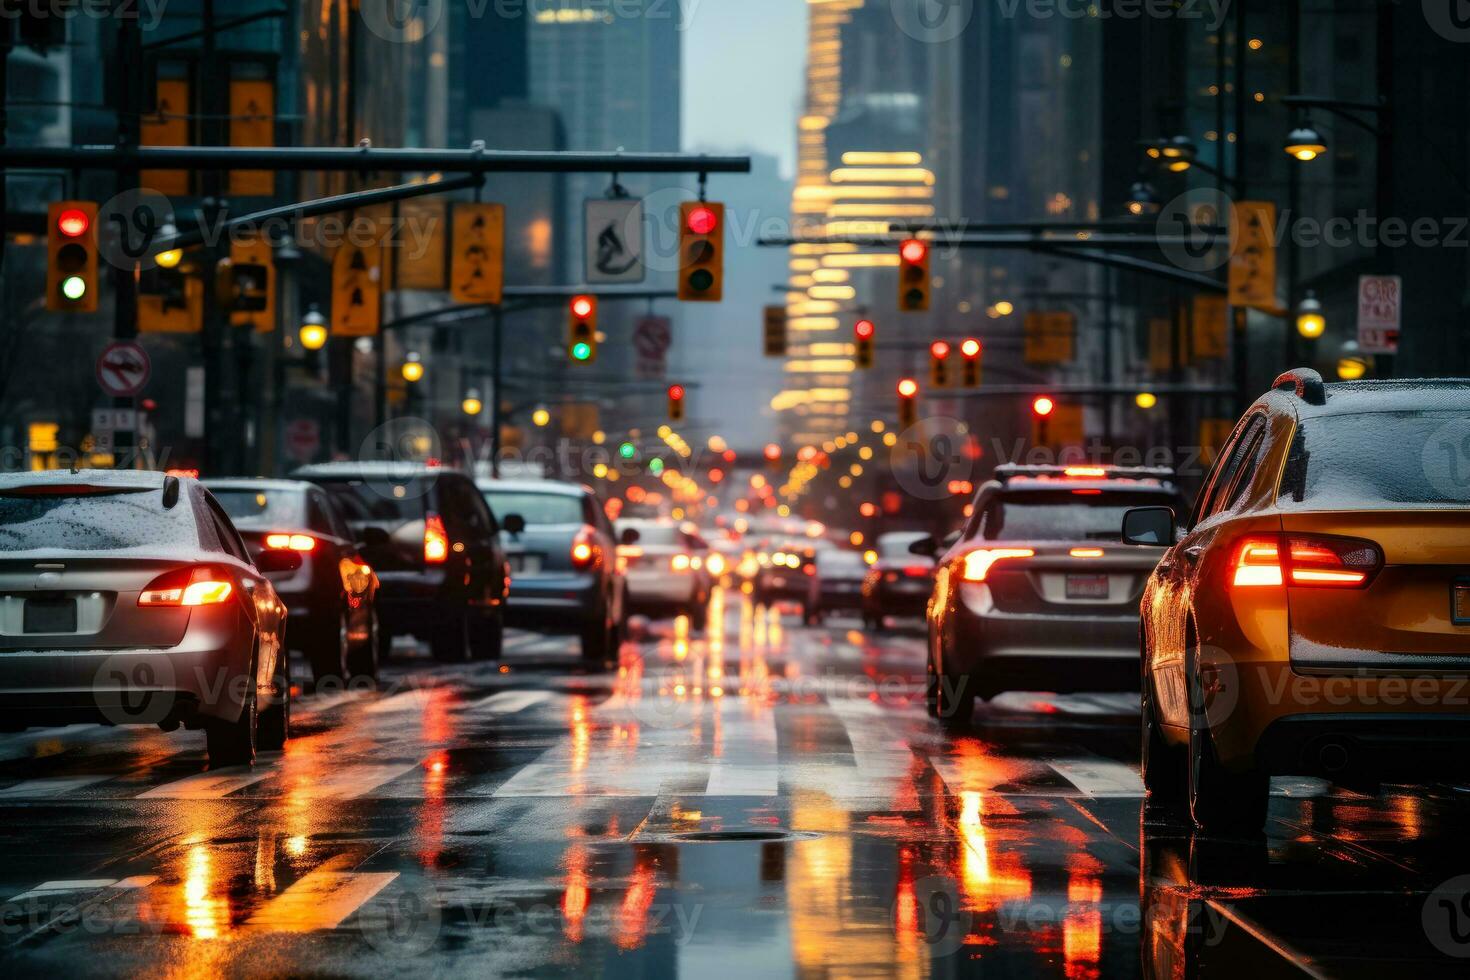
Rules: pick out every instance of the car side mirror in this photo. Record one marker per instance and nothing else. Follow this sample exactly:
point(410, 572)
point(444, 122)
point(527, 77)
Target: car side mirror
point(928, 547)
point(375, 537)
point(278, 560)
point(513, 523)
point(1152, 526)
point(630, 535)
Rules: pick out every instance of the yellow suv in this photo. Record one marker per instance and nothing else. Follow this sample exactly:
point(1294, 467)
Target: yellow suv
point(1312, 615)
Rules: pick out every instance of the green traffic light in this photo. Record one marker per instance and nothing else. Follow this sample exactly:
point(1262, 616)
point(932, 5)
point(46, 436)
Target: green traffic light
point(74, 288)
point(627, 450)
point(581, 351)
point(655, 466)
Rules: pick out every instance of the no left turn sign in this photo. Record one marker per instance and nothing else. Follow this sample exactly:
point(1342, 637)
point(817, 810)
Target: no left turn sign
point(123, 369)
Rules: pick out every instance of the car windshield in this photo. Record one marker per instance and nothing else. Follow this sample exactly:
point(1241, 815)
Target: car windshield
point(536, 508)
point(896, 546)
point(125, 521)
point(1065, 515)
point(378, 501)
point(252, 508)
point(1379, 459)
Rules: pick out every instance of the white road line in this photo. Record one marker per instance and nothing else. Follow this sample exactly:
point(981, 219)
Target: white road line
point(207, 785)
point(48, 787)
point(736, 780)
point(415, 700)
point(319, 900)
point(351, 782)
point(509, 702)
point(1101, 777)
point(84, 885)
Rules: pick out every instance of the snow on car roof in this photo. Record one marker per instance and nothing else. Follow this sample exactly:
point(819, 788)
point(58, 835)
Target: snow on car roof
point(122, 479)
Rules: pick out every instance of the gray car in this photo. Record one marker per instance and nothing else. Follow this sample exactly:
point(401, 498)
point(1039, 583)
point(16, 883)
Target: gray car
point(129, 598)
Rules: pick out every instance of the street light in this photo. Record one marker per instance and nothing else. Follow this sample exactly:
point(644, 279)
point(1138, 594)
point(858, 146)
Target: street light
point(313, 332)
point(1145, 400)
point(171, 258)
point(1310, 322)
point(413, 367)
point(1305, 144)
point(472, 404)
point(1143, 199)
point(1352, 363)
point(1176, 154)
point(541, 418)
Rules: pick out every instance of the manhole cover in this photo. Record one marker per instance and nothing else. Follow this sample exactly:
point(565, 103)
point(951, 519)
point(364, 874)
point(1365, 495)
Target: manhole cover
point(718, 836)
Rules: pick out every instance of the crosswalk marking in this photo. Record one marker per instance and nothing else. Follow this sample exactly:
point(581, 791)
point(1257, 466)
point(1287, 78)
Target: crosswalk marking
point(319, 900)
point(1101, 777)
point(351, 782)
point(415, 700)
point(48, 787)
point(509, 702)
point(48, 888)
point(737, 780)
point(208, 785)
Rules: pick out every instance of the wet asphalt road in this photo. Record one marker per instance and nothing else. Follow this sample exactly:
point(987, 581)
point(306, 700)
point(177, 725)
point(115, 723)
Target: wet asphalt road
point(763, 799)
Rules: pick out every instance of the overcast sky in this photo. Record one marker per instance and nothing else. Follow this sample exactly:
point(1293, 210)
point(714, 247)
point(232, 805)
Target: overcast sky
point(743, 65)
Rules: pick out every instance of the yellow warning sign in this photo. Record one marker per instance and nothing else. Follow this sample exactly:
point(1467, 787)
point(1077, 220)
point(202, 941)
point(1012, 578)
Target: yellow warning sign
point(167, 126)
point(1253, 254)
point(357, 289)
point(477, 269)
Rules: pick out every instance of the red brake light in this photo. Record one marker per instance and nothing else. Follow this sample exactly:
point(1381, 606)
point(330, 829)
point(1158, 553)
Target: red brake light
point(584, 550)
point(293, 542)
point(1314, 562)
point(199, 586)
point(977, 563)
point(1082, 472)
point(436, 540)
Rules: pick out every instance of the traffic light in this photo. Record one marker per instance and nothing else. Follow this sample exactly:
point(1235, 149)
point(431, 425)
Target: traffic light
point(913, 276)
point(71, 245)
point(970, 351)
point(863, 332)
point(908, 407)
point(676, 403)
point(939, 373)
point(775, 331)
point(1043, 406)
point(701, 251)
point(582, 330)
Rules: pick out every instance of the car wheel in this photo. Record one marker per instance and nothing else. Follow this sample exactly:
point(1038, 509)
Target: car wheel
point(489, 638)
point(450, 643)
point(232, 743)
point(597, 643)
point(273, 727)
point(954, 701)
point(362, 660)
point(1220, 801)
point(329, 655)
point(1162, 765)
point(931, 689)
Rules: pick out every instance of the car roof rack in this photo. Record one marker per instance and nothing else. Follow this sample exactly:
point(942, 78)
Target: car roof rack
point(1306, 383)
point(1096, 471)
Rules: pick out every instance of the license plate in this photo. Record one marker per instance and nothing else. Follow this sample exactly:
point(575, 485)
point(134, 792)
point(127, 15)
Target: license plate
point(50, 616)
point(525, 564)
point(1460, 603)
point(1087, 586)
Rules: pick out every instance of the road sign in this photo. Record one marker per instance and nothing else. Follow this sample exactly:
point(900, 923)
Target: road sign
point(477, 253)
point(614, 246)
point(123, 369)
point(652, 338)
point(252, 123)
point(357, 290)
point(1253, 255)
point(253, 270)
point(169, 126)
point(420, 260)
point(114, 420)
point(303, 438)
point(1049, 337)
point(1380, 313)
point(1210, 333)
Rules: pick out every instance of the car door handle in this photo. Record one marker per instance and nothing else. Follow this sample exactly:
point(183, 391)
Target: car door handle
point(1194, 552)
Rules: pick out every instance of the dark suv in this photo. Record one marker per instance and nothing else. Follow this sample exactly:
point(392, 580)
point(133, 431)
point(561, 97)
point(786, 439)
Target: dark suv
point(435, 546)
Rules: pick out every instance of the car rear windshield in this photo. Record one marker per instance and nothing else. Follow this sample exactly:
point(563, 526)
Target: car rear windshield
point(1065, 515)
point(252, 508)
point(378, 501)
point(536, 508)
point(1378, 460)
point(656, 534)
point(897, 545)
point(126, 521)
point(841, 563)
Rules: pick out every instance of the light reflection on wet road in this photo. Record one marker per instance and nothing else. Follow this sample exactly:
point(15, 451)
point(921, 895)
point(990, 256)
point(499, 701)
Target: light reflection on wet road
point(761, 799)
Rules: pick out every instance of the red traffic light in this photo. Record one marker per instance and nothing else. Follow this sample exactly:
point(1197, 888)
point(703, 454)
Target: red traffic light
point(939, 349)
point(913, 250)
point(908, 388)
point(702, 220)
point(73, 223)
point(1043, 406)
point(676, 392)
point(582, 307)
point(864, 329)
point(970, 348)
point(773, 452)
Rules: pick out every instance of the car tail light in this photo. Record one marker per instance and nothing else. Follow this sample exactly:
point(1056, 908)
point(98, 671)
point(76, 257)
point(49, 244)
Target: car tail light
point(1086, 552)
point(1084, 472)
point(977, 563)
point(680, 563)
point(292, 542)
point(716, 565)
point(916, 571)
point(199, 586)
point(584, 549)
point(1306, 561)
point(809, 569)
point(436, 540)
